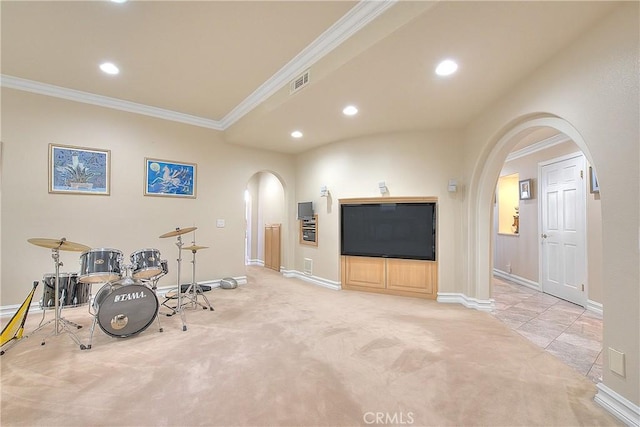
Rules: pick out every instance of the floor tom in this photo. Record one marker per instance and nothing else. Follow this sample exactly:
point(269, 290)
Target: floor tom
point(71, 293)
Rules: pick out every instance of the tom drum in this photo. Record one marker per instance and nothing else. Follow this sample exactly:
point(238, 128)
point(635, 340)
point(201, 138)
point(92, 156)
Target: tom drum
point(146, 263)
point(100, 266)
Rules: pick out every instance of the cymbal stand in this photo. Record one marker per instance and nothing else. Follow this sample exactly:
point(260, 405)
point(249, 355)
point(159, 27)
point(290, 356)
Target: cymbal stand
point(178, 308)
point(194, 290)
point(60, 323)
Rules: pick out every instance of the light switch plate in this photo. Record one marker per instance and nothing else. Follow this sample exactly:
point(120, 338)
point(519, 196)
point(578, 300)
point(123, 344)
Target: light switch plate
point(616, 362)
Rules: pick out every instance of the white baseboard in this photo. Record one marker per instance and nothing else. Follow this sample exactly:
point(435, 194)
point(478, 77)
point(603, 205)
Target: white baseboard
point(457, 298)
point(517, 279)
point(255, 262)
point(595, 307)
point(336, 286)
point(10, 310)
point(620, 407)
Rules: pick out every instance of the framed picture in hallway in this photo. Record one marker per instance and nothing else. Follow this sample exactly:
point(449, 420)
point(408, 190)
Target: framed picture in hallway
point(595, 186)
point(526, 189)
point(167, 178)
point(79, 170)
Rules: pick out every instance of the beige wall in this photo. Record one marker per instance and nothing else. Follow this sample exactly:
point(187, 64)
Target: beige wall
point(590, 92)
point(521, 252)
point(126, 220)
point(411, 164)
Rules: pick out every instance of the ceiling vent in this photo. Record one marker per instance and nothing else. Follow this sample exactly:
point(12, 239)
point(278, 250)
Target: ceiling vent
point(299, 82)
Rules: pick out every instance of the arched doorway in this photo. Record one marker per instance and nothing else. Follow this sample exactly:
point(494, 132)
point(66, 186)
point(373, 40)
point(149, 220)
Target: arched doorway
point(546, 283)
point(264, 205)
point(482, 191)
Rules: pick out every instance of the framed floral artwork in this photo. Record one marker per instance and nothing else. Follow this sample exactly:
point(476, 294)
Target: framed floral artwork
point(79, 170)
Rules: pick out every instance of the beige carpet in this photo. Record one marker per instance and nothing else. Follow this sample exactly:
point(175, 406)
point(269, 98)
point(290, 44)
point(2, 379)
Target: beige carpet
point(282, 352)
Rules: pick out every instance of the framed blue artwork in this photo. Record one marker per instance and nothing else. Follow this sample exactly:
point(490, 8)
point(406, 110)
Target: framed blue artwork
point(168, 178)
point(79, 170)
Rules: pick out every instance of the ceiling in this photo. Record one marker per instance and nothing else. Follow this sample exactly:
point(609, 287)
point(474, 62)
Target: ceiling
point(227, 65)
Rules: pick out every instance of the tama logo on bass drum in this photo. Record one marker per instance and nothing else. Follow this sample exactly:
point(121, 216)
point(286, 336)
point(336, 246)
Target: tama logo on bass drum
point(130, 296)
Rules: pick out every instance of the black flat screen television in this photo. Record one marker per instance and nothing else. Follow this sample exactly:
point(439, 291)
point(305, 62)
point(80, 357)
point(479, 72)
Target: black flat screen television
point(390, 230)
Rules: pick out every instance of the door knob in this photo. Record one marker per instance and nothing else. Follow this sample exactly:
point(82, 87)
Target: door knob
point(544, 236)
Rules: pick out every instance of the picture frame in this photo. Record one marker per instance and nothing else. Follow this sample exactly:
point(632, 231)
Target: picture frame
point(594, 186)
point(525, 189)
point(79, 170)
point(168, 178)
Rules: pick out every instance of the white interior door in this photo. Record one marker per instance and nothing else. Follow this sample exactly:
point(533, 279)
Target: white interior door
point(562, 228)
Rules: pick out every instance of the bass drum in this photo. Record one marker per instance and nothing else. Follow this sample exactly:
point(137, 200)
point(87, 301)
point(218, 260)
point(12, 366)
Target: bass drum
point(124, 309)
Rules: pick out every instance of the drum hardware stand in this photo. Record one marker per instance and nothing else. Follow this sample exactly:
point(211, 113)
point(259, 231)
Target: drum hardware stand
point(93, 324)
point(194, 290)
point(154, 288)
point(179, 232)
point(61, 325)
point(44, 312)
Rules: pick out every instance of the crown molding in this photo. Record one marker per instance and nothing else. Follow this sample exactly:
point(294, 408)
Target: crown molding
point(353, 21)
point(538, 146)
point(105, 101)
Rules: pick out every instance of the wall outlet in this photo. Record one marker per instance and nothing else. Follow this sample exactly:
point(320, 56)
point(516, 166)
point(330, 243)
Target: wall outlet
point(220, 223)
point(509, 268)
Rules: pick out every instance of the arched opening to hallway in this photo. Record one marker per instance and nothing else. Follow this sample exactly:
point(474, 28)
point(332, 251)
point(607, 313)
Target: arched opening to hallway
point(265, 208)
point(546, 282)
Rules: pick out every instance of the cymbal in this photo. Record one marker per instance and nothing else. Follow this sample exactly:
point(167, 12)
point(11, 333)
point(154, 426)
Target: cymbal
point(61, 244)
point(194, 248)
point(178, 231)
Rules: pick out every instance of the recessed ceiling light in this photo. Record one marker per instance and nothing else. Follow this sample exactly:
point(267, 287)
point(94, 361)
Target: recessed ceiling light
point(296, 134)
point(119, 1)
point(109, 68)
point(446, 67)
point(350, 110)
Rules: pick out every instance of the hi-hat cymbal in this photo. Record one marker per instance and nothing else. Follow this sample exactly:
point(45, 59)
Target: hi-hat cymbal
point(178, 231)
point(61, 244)
point(194, 248)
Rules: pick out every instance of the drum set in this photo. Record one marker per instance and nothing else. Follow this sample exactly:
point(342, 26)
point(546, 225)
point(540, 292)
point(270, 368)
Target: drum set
point(127, 303)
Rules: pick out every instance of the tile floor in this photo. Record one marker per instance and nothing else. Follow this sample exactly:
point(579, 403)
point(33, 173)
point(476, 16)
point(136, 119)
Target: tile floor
point(564, 329)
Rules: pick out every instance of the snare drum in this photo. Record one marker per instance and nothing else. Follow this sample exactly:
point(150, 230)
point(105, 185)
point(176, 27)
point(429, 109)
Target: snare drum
point(70, 292)
point(100, 265)
point(146, 263)
point(124, 309)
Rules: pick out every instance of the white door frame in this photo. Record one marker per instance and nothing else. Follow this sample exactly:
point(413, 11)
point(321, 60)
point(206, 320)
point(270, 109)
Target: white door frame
point(583, 214)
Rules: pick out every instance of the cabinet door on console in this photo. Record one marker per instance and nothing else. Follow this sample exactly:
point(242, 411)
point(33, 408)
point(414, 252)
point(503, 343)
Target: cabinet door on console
point(363, 272)
point(412, 276)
